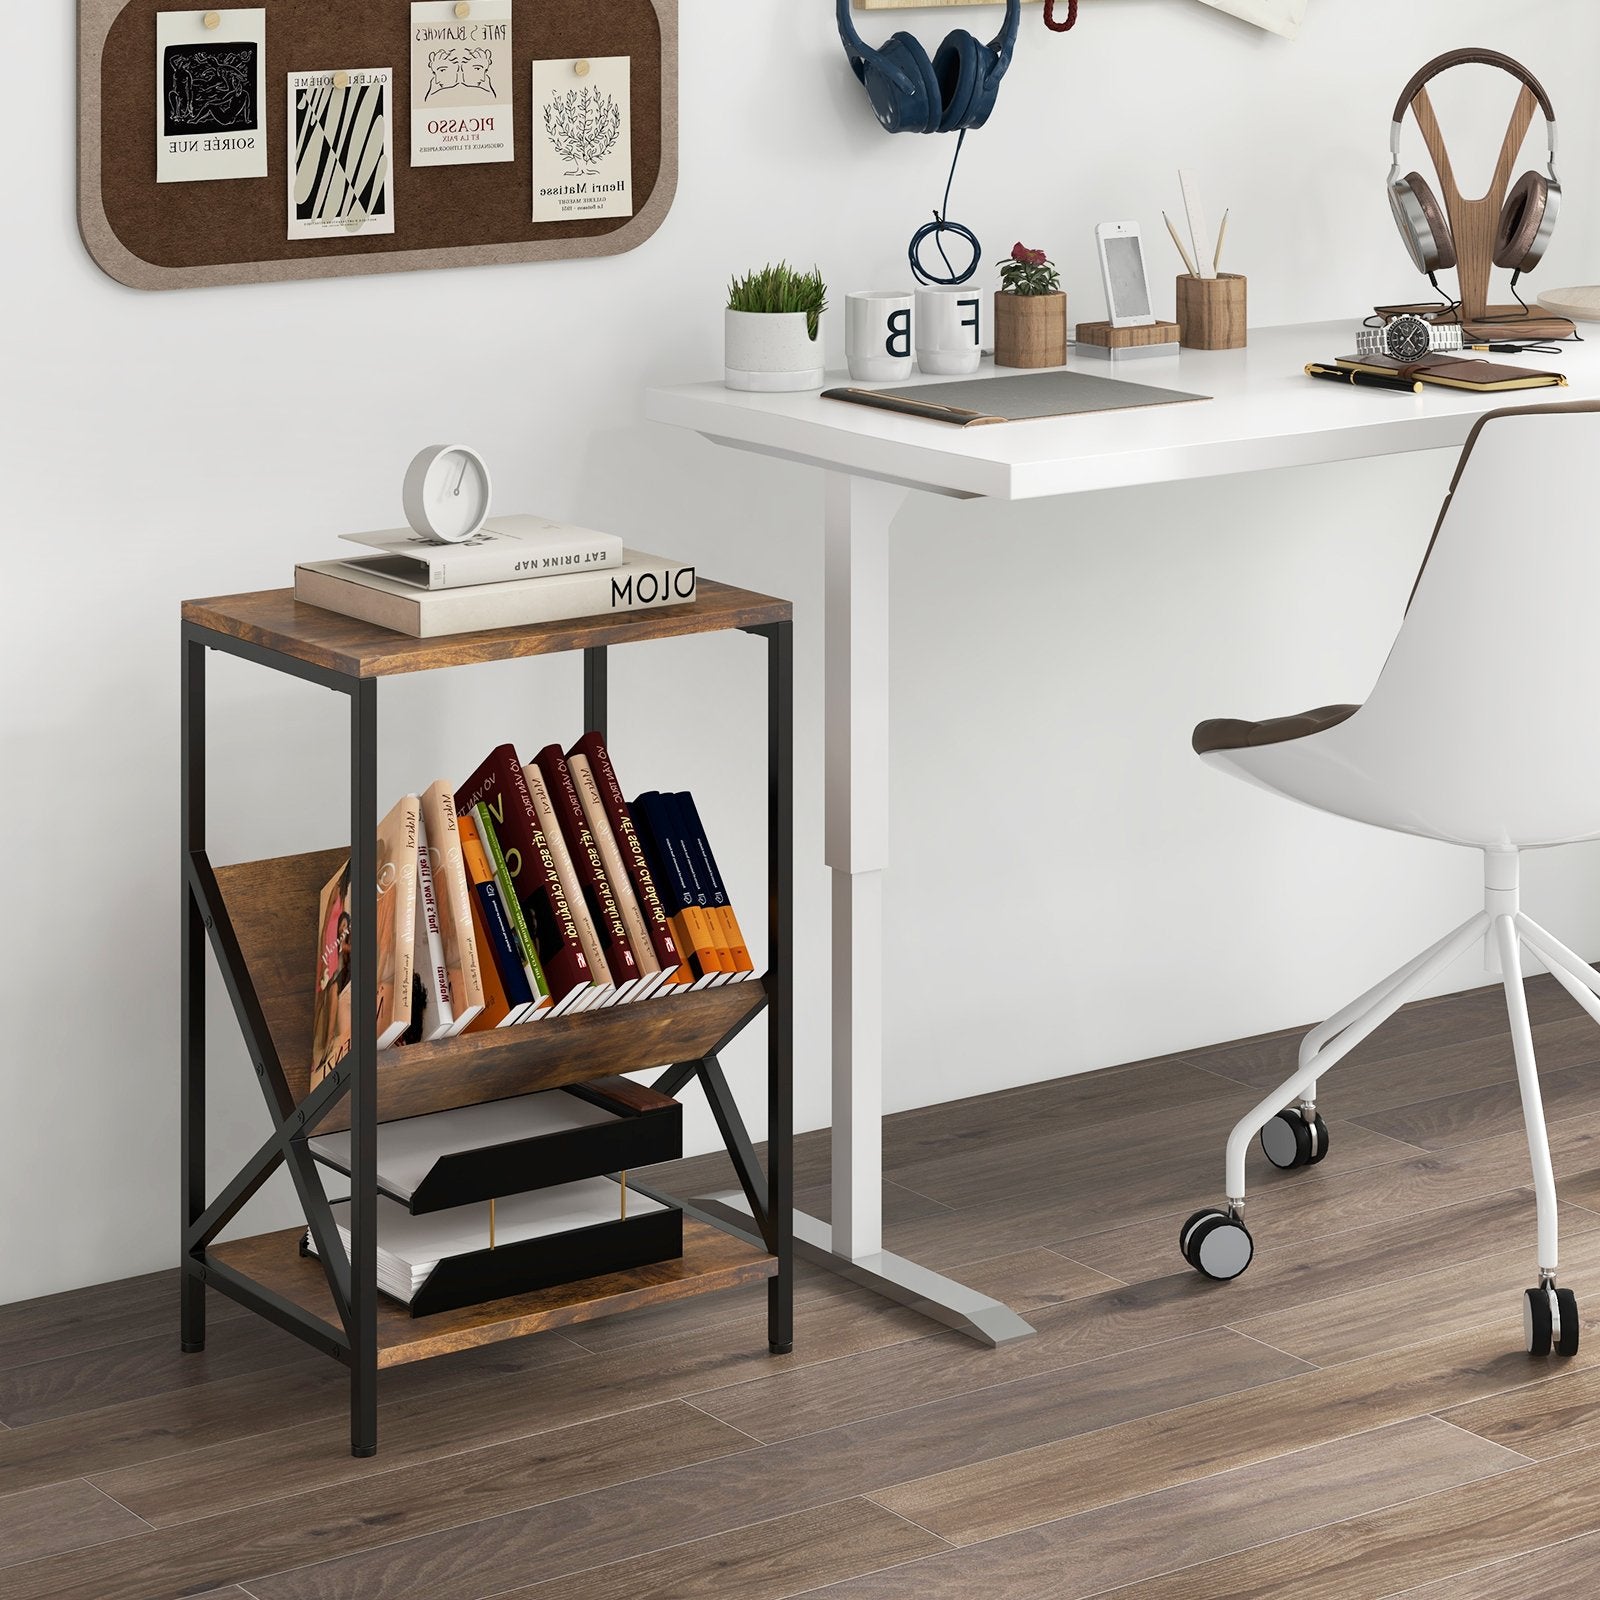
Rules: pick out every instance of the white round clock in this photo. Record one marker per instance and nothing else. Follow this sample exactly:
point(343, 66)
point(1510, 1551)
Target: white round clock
point(447, 493)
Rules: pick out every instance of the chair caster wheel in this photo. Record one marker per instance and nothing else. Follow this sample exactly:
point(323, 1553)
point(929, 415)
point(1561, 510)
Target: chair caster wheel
point(1550, 1322)
point(1289, 1141)
point(1216, 1245)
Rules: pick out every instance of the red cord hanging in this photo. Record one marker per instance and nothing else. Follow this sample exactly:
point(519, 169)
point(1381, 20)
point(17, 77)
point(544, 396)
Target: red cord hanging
point(1050, 16)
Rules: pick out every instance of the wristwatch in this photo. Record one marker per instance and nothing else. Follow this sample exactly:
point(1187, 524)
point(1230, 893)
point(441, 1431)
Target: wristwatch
point(1407, 337)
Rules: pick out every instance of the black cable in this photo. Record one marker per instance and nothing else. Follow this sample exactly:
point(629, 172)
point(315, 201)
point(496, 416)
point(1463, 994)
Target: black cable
point(940, 226)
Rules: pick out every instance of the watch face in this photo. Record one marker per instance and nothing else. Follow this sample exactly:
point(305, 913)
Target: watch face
point(1407, 338)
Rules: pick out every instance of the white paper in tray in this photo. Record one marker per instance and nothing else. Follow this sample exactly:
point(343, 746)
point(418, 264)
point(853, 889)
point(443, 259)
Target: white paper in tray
point(409, 1247)
point(409, 1150)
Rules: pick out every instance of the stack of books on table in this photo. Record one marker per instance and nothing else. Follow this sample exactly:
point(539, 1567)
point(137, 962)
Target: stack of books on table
point(516, 571)
point(532, 890)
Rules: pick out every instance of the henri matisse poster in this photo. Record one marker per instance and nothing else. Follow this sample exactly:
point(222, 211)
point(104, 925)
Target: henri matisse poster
point(341, 178)
point(210, 89)
point(582, 139)
point(461, 85)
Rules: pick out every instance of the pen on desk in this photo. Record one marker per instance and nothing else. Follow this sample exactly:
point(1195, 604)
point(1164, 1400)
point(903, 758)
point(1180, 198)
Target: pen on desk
point(1364, 380)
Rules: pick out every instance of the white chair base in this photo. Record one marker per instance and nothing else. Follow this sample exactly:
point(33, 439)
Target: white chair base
point(1216, 1242)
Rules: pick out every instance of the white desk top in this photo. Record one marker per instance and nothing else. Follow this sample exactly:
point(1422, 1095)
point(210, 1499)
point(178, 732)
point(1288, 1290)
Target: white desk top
point(1265, 412)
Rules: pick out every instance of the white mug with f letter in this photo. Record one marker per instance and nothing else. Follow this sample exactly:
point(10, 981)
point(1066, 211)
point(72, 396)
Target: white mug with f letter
point(878, 335)
point(950, 330)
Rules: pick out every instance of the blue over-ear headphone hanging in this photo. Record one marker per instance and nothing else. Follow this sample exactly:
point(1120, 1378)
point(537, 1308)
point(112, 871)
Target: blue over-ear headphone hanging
point(950, 93)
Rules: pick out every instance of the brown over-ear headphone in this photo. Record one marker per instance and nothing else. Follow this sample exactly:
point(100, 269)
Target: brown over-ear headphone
point(1528, 217)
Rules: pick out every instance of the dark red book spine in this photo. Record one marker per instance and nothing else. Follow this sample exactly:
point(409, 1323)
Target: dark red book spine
point(592, 746)
point(593, 882)
point(500, 785)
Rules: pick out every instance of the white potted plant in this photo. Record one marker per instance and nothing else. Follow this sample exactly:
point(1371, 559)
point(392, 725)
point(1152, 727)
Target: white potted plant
point(772, 330)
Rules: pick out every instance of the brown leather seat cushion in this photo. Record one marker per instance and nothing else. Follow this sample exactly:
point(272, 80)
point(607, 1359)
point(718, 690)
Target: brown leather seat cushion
point(1230, 733)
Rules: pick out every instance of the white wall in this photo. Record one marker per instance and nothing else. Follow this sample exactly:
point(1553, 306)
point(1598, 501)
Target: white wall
point(1048, 659)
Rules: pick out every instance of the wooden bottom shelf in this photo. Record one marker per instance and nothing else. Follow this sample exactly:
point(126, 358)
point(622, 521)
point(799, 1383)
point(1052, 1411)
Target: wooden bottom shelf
point(711, 1260)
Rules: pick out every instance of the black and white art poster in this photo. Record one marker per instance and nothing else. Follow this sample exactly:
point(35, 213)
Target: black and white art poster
point(582, 139)
point(341, 173)
point(461, 84)
point(210, 89)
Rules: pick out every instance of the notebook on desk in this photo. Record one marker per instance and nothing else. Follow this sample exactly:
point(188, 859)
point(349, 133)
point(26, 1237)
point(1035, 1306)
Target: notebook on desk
point(1457, 372)
point(973, 402)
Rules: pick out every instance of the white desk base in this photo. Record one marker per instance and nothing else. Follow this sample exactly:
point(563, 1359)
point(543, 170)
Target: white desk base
point(1265, 414)
point(988, 1321)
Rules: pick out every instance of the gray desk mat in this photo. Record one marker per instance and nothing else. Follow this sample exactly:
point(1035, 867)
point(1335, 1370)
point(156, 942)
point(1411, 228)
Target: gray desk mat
point(1041, 394)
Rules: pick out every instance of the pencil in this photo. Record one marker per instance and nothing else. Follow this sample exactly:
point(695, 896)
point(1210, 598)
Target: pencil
point(1222, 233)
point(1179, 242)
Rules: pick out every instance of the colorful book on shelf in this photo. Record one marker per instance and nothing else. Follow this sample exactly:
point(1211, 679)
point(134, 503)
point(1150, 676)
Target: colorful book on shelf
point(454, 895)
point(699, 884)
point(651, 973)
point(604, 991)
point(500, 787)
point(692, 926)
point(330, 1019)
point(594, 882)
point(643, 582)
point(700, 853)
point(507, 998)
point(636, 866)
point(521, 933)
point(438, 1019)
point(397, 918)
point(503, 550)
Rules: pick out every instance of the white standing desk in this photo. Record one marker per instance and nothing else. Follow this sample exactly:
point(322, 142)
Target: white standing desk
point(1264, 413)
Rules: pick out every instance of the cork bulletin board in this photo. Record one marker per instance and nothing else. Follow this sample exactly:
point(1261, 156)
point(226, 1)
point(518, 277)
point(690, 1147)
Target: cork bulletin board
point(186, 235)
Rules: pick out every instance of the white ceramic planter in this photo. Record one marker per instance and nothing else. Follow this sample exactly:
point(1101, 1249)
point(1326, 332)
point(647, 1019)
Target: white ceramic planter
point(771, 352)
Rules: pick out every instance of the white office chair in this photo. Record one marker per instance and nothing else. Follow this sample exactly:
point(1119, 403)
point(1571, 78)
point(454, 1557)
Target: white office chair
point(1482, 730)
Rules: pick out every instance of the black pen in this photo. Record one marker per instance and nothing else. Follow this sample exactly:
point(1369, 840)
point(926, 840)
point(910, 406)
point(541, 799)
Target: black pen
point(1364, 380)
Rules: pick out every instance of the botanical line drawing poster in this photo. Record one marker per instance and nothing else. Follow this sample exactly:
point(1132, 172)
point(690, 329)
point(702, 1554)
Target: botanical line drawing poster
point(582, 139)
point(210, 87)
point(341, 178)
point(461, 85)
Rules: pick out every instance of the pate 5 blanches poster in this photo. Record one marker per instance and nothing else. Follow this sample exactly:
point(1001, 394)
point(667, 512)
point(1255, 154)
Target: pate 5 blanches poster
point(461, 84)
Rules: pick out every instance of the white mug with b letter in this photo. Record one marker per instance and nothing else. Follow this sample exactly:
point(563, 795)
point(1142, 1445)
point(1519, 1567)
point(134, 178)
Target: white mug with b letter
point(878, 335)
point(950, 330)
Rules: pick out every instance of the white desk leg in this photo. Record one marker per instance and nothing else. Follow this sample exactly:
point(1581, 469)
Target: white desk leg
point(859, 512)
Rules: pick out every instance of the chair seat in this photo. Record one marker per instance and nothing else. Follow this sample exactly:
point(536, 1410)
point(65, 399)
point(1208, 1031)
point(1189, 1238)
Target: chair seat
point(1232, 733)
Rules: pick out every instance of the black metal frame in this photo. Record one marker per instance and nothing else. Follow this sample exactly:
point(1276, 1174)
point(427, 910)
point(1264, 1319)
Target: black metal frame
point(352, 1276)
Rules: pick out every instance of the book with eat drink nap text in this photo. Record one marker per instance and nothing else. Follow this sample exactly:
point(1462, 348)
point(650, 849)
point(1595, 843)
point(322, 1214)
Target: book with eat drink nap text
point(501, 551)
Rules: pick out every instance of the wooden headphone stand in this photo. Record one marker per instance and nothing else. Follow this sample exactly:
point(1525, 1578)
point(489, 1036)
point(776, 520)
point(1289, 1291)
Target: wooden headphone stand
point(1474, 225)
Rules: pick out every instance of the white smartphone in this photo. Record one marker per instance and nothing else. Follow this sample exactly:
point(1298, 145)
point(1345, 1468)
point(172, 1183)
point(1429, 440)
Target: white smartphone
point(1122, 267)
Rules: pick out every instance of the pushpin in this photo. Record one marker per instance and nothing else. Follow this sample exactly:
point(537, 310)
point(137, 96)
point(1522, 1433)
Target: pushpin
point(341, 80)
point(581, 68)
point(213, 20)
point(463, 10)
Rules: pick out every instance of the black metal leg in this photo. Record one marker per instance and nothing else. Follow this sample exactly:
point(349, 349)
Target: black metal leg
point(780, 981)
point(192, 1117)
point(364, 1083)
point(595, 692)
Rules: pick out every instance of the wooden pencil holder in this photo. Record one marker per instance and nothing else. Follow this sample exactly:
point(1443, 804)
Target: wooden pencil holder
point(1211, 312)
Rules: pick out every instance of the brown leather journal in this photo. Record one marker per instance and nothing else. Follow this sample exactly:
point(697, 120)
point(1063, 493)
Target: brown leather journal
point(1457, 372)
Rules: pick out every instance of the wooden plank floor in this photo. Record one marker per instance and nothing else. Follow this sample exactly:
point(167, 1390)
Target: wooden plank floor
point(1353, 1418)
